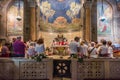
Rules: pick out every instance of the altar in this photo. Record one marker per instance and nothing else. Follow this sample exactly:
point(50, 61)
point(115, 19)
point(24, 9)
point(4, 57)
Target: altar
point(61, 50)
point(60, 45)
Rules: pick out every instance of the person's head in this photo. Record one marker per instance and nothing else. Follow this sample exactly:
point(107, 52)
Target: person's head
point(32, 44)
point(13, 39)
point(92, 44)
point(109, 43)
point(35, 40)
point(6, 44)
point(101, 40)
point(82, 42)
point(60, 35)
point(96, 42)
point(77, 39)
point(53, 40)
point(104, 42)
point(19, 38)
point(40, 41)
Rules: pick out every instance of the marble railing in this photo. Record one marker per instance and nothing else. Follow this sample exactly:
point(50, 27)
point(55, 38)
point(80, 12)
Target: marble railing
point(101, 68)
point(24, 69)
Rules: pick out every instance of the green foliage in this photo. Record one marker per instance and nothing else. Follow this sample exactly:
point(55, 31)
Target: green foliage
point(39, 57)
point(76, 56)
point(80, 60)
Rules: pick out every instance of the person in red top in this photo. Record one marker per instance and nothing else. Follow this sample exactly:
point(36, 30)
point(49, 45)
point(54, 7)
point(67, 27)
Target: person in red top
point(5, 50)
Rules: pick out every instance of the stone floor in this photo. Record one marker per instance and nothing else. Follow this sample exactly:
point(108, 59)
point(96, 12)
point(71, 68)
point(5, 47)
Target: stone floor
point(61, 79)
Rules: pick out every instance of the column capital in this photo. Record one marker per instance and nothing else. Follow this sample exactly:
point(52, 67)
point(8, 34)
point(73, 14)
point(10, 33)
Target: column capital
point(32, 3)
point(88, 4)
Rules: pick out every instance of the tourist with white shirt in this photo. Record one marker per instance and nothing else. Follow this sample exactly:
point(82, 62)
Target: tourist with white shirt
point(83, 48)
point(74, 46)
point(39, 47)
point(103, 50)
point(92, 51)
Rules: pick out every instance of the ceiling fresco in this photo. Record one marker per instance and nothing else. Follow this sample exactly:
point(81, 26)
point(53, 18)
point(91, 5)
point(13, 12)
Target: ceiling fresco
point(60, 15)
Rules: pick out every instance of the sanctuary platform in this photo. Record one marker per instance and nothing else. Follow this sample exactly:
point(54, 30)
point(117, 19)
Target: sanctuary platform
point(50, 68)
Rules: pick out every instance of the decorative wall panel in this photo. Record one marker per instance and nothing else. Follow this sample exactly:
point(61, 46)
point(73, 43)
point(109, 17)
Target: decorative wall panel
point(62, 68)
point(104, 18)
point(6, 70)
point(114, 69)
point(15, 27)
point(91, 69)
point(33, 70)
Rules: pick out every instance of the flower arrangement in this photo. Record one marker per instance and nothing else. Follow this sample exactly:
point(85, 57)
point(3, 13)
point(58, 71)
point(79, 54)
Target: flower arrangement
point(39, 57)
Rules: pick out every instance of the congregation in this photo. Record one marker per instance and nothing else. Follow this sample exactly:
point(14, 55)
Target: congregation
point(77, 46)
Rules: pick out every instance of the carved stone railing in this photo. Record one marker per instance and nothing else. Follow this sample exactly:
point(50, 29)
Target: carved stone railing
point(24, 69)
point(96, 69)
point(20, 68)
point(6, 69)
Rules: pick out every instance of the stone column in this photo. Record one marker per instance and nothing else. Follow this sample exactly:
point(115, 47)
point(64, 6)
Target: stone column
point(0, 24)
point(88, 21)
point(38, 19)
point(94, 21)
point(26, 28)
point(33, 27)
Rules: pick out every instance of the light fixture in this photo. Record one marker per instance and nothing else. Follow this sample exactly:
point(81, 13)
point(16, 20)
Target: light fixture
point(19, 18)
point(102, 18)
point(118, 4)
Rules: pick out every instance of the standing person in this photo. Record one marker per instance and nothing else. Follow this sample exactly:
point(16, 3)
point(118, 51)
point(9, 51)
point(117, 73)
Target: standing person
point(103, 50)
point(31, 50)
point(19, 48)
point(39, 47)
point(110, 49)
point(92, 51)
point(5, 50)
point(11, 47)
point(74, 46)
point(83, 48)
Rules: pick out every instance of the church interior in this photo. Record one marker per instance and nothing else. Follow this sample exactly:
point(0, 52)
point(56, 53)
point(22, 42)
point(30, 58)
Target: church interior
point(38, 39)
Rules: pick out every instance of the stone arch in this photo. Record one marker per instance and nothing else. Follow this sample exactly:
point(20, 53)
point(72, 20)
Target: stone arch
point(14, 27)
point(10, 3)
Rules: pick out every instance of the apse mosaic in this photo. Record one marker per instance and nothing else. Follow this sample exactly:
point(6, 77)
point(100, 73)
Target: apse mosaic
point(60, 15)
point(15, 27)
point(104, 18)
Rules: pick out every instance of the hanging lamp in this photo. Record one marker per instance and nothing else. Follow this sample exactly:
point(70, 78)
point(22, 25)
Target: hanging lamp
point(19, 18)
point(102, 18)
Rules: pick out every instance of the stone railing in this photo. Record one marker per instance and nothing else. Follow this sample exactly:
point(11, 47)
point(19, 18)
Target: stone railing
point(20, 68)
point(24, 69)
point(101, 68)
